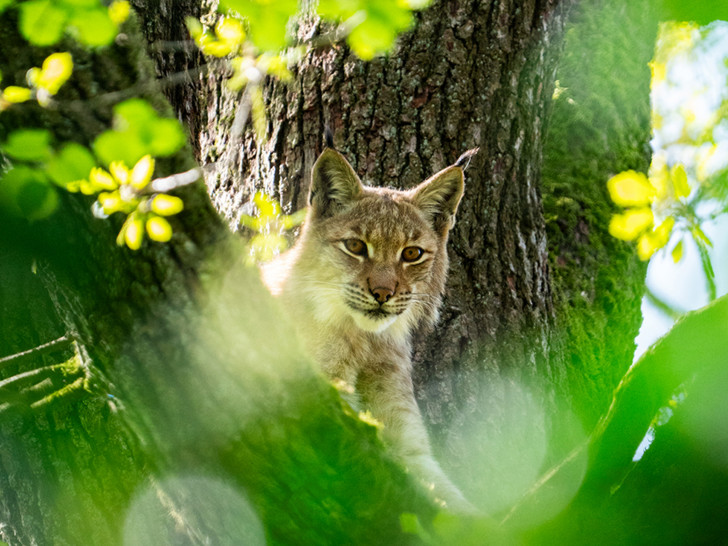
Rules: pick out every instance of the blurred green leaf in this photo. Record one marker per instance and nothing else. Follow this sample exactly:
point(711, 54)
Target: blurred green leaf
point(42, 22)
point(72, 163)
point(124, 146)
point(29, 145)
point(25, 192)
point(166, 137)
point(4, 4)
point(94, 26)
point(702, 12)
point(268, 20)
point(138, 131)
point(132, 113)
point(80, 3)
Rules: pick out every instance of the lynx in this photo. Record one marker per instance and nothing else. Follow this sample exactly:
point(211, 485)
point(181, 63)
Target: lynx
point(370, 267)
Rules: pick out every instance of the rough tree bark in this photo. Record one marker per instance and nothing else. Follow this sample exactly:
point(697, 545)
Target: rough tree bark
point(177, 392)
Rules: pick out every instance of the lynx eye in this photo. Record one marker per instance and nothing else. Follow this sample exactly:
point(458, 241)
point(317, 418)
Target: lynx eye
point(356, 247)
point(412, 254)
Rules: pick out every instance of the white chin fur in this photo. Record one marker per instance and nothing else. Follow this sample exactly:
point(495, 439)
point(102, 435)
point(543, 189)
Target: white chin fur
point(372, 325)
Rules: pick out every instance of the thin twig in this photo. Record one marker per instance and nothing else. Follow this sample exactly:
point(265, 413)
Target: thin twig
point(671, 311)
point(46, 347)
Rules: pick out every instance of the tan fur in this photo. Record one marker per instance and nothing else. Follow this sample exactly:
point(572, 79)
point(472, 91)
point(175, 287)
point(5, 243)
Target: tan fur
point(331, 294)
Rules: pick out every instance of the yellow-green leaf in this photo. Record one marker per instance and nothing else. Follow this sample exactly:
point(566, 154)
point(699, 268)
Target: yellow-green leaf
point(101, 180)
point(159, 229)
point(142, 172)
point(699, 235)
point(119, 11)
point(166, 205)
point(630, 189)
point(119, 171)
point(677, 252)
point(230, 31)
point(680, 181)
point(15, 94)
point(54, 72)
point(629, 225)
point(134, 232)
point(257, 109)
point(110, 202)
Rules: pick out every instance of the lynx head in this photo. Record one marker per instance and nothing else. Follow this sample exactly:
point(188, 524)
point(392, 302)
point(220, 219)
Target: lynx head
point(376, 256)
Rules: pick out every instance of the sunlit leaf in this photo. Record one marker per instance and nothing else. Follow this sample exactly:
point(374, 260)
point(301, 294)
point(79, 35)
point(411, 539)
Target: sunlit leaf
point(55, 71)
point(119, 170)
point(73, 162)
point(29, 145)
point(630, 188)
point(629, 225)
point(268, 20)
point(119, 11)
point(167, 137)
point(4, 4)
point(133, 113)
point(110, 202)
point(194, 27)
point(134, 231)
point(101, 180)
point(166, 205)
point(699, 235)
point(94, 26)
point(677, 252)
point(117, 145)
point(680, 181)
point(230, 31)
point(159, 229)
point(257, 110)
point(42, 22)
point(142, 172)
point(15, 94)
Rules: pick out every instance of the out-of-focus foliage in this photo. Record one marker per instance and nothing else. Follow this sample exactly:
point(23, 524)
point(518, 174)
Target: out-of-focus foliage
point(257, 34)
point(138, 130)
point(44, 82)
point(687, 183)
point(44, 22)
point(269, 226)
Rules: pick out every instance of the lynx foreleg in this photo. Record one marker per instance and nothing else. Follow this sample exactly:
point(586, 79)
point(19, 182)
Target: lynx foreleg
point(386, 390)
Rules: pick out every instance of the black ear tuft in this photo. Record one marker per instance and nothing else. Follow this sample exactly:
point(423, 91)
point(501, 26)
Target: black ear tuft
point(329, 137)
point(464, 160)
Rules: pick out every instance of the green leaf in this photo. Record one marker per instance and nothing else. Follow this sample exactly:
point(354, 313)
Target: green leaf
point(3, 5)
point(94, 26)
point(25, 192)
point(29, 145)
point(166, 137)
point(72, 163)
point(268, 20)
point(703, 12)
point(123, 146)
point(132, 113)
point(41, 22)
point(73, 4)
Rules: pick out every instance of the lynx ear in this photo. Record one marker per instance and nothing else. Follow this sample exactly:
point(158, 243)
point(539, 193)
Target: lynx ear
point(334, 184)
point(438, 197)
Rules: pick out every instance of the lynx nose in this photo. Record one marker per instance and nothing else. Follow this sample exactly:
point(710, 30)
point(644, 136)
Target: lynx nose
point(382, 294)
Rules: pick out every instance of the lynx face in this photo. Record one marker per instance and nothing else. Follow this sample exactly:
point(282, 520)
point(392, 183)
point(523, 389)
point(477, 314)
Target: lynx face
point(380, 254)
